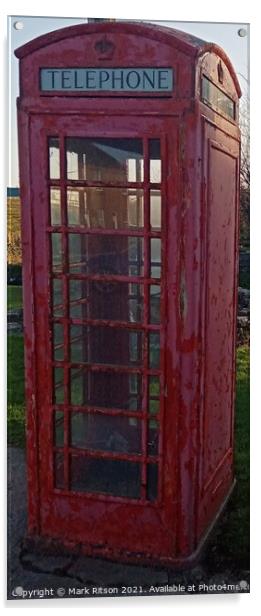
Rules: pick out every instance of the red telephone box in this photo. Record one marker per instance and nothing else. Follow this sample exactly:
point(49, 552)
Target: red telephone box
point(129, 167)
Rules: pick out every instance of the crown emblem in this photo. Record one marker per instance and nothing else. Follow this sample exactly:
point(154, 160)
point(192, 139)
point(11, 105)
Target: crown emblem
point(105, 47)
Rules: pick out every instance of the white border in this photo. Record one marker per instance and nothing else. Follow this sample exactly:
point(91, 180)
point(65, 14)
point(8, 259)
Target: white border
point(221, 11)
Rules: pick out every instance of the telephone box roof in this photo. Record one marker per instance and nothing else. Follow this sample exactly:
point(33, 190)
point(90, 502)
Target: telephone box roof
point(187, 43)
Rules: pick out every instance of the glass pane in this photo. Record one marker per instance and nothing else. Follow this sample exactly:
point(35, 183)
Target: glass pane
point(58, 386)
point(154, 304)
point(155, 210)
point(79, 385)
point(54, 158)
point(105, 433)
point(152, 481)
point(58, 342)
point(114, 301)
point(78, 253)
point(105, 208)
point(104, 160)
point(154, 407)
point(79, 300)
point(106, 345)
point(58, 471)
point(115, 477)
point(154, 350)
point(106, 389)
point(57, 252)
point(105, 254)
point(213, 96)
point(155, 258)
point(55, 206)
point(57, 296)
point(155, 162)
point(58, 429)
point(153, 438)
point(134, 383)
point(135, 349)
point(78, 345)
point(154, 386)
point(135, 256)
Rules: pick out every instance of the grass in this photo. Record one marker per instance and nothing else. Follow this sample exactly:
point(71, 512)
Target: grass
point(15, 391)
point(14, 297)
point(229, 543)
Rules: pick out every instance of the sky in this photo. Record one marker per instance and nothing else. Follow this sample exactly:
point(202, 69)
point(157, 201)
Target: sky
point(224, 34)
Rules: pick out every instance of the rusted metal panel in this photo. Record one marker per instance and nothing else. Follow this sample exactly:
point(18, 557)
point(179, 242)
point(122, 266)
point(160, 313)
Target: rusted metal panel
point(28, 243)
point(220, 202)
point(176, 471)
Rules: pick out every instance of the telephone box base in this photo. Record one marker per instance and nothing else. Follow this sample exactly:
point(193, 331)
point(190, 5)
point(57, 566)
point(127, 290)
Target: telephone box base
point(55, 547)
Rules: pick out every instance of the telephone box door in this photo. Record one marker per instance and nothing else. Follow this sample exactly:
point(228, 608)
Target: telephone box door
point(100, 198)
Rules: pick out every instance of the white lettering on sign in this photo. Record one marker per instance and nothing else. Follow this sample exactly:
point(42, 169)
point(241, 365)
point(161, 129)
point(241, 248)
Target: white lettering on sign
point(106, 80)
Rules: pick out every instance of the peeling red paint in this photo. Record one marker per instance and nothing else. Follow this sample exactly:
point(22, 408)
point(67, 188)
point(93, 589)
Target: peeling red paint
point(189, 345)
point(200, 172)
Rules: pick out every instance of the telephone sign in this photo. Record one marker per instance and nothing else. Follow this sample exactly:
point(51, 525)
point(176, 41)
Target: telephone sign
point(107, 79)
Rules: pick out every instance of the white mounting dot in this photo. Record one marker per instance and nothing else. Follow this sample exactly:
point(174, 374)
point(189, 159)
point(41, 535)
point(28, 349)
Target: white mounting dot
point(242, 32)
point(18, 25)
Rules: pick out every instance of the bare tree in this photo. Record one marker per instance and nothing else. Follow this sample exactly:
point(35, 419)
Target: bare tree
point(244, 122)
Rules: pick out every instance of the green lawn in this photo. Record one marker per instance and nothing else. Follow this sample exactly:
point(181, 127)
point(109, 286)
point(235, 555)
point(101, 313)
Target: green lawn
point(231, 536)
point(14, 297)
point(15, 390)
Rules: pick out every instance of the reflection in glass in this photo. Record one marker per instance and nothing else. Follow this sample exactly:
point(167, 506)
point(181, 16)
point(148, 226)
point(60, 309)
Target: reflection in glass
point(105, 254)
point(78, 253)
point(155, 210)
point(58, 388)
point(152, 481)
point(218, 100)
point(114, 301)
point(105, 208)
point(155, 162)
point(55, 206)
point(115, 477)
point(106, 345)
point(134, 383)
point(58, 342)
point(153, 438)
point(154, 304)
point(155, 258)
point(154, 386)
point(104, 160)
point(56, 252)
point(154, 350)
point(106, 389)
point(78, 299)
point(154, 407)
point(78, 344)
point(98, 432)
point(58, 429)
point(79, 379)
point(57, 298)
point(58, 471)
point(54, 158)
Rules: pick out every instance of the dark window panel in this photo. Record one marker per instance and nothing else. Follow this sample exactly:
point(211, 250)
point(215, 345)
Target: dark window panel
point(98, 432)
point(112, 477)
